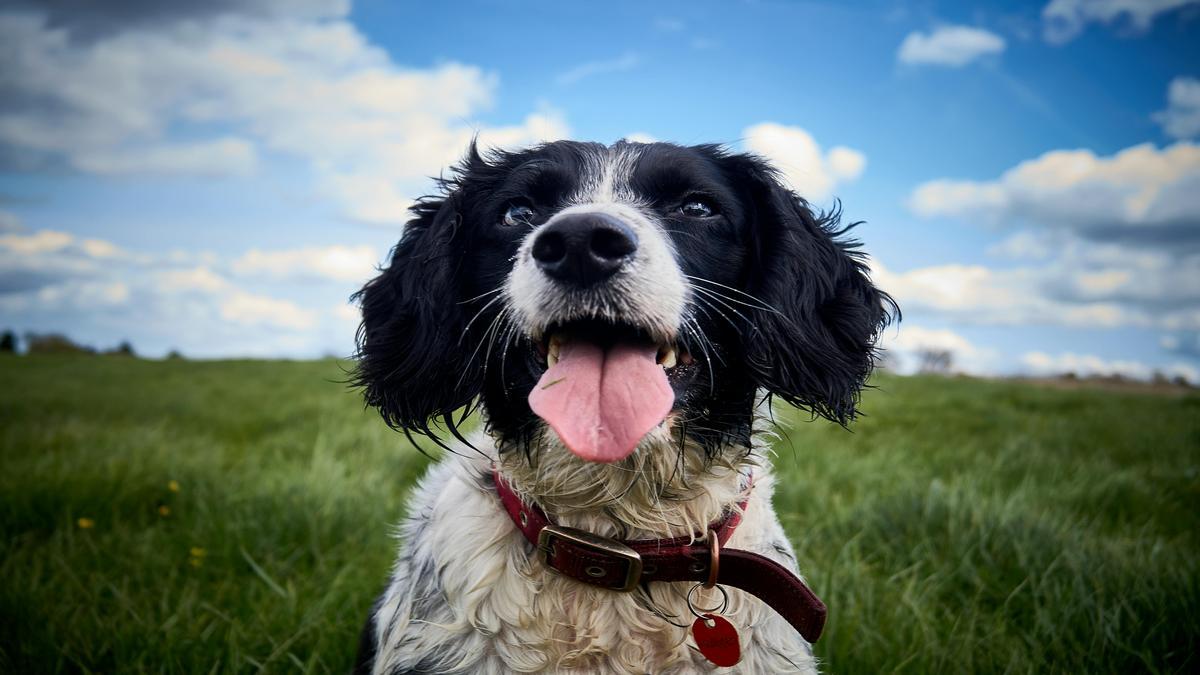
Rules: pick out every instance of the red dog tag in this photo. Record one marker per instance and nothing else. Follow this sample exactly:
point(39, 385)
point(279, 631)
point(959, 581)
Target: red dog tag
point(718, 642)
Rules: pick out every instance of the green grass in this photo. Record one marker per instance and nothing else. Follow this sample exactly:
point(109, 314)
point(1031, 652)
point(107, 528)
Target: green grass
point(964, 526)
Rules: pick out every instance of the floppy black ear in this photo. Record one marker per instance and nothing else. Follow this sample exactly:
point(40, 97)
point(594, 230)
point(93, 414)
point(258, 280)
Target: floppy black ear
point(816, 346)
point(412, 358)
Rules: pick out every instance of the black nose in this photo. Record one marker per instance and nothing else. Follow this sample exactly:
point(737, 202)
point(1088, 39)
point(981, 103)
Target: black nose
point(584, 248)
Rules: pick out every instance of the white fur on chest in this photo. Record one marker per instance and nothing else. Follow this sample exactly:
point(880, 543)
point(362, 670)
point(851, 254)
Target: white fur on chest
point(469, 594)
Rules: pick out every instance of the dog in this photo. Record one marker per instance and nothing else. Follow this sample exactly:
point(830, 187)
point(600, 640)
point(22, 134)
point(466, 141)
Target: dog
point(622, 318)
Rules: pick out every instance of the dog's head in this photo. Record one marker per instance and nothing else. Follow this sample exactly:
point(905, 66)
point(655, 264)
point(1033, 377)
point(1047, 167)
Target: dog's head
point(611, 295)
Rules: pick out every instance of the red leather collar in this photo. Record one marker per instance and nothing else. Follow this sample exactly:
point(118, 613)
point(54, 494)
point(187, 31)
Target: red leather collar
point(625, 565)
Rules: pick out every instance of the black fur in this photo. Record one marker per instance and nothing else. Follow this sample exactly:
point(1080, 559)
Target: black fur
point(364, 661)
point(801, 324)
point(815, 346)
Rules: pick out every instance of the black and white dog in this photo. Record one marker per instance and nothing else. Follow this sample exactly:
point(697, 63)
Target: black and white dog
point(621, 316)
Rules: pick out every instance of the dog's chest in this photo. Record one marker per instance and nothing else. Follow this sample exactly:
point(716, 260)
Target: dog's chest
point(469, 594)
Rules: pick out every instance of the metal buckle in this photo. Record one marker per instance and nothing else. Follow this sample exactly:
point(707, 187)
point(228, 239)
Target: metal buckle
point(596, 544)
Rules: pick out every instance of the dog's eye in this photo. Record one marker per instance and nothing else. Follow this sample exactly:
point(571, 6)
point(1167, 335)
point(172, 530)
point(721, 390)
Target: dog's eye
point(697, 208)
point(518, 214)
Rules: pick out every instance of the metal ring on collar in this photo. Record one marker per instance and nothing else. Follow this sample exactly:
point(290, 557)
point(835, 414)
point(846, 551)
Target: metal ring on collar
point(700, 612)
point(714, 558)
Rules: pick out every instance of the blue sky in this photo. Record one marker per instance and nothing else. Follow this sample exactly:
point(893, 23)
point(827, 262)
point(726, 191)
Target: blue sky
point(218, 179)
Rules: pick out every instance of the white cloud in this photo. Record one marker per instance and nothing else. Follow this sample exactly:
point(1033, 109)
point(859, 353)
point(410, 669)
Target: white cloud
point(73, 296)
point(627, 61)
point(233, 304)
point(956, 197)
point(221, 157)
point(953, 46)
point(976, 294)
point(346, 318)
point(1140, 192)
point(1150, 279)
point(813, 174)
point(376, 198)
point(339, 263)
point(347, 312)
point(317, 90)
point(1024, 244)
point(1065, 19)
point(905, 345)
point(33, 261)
point(1081, 288)
point(198, 278)
point(1086, 365)
point(546, 125)
point(1117, 240)
point(42, 241)
point(845, 164)
point(640, 137)
point(56, 269)
point(98, 248)
point(55, 281)
point(378, 193)
point(111, 293)
point(1181, 119)
point(247, 308)
point(221, 299)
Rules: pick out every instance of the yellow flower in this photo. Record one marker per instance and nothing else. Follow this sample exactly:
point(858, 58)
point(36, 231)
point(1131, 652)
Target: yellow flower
point(85, 523)
point(164, 510)
point(197, 557)
point(173, 485)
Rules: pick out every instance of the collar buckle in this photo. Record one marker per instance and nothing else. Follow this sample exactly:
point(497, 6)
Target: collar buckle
point(602, 561)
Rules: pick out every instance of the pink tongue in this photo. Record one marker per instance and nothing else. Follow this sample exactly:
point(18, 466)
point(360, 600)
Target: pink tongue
point(602, 403)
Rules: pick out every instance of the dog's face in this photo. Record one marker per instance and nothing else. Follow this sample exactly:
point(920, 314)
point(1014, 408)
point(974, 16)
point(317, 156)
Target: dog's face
point(615, 295)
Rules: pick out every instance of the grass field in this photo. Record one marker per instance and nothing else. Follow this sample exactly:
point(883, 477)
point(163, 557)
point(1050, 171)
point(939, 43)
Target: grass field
point(233, 516)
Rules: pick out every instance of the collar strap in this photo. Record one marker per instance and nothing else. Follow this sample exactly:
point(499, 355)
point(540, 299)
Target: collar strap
point(624, 565)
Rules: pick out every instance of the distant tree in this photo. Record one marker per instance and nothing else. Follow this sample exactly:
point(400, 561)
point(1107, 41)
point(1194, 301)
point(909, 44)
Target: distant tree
point(54, 343)
point(935, 361)
point(174, 355)
point(8, 343)
point(123, 349)
point(886, 360)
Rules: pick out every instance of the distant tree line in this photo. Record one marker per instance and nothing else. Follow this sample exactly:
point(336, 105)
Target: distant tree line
point(940, 361)
point(935, 361)
point(57, 343)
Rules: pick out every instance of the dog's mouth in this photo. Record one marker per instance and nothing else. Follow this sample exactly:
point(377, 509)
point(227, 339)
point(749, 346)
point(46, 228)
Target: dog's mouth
point(606, 386)
point(669, 354)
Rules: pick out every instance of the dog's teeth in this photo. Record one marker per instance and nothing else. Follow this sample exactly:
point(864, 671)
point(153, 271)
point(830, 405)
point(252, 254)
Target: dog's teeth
point(667, 358)
point(551, 359)
point(552, 352)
